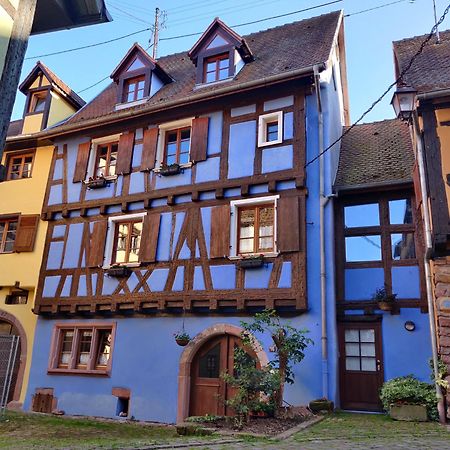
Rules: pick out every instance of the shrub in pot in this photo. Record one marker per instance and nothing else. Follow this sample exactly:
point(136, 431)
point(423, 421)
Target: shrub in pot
point(409, 390)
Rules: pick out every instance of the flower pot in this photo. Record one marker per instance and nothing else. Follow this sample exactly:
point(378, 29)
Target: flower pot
point(182, 342)
point(385, 306)
point(118, 272)
point(321, 405)
point(96, 183)
point(251, 263)
point(172, 169)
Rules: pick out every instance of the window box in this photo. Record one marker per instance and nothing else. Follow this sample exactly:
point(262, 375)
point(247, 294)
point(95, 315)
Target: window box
point(96, 183)
point(251, 262)
point(172, 169)
point(118, 271)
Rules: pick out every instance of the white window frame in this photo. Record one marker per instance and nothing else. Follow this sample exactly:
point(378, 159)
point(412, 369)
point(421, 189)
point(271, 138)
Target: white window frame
point(262, 128)
point(109, 245)
point(234, 206)
point(163, 129)
point(93, 155)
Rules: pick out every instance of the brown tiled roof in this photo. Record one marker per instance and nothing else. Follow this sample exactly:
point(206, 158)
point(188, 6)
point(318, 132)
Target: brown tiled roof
point(431, 70)
point(277, 51)
point(375, 153)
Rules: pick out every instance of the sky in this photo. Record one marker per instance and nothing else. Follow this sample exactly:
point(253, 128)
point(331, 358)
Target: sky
point(368, 39)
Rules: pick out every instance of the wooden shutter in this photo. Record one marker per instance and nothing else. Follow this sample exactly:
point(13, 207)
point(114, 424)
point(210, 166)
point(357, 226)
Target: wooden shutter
point(97, 244)
point(149, 149)
point(149, 238)
point(26, 233)
point(82, 162)
point(288, 224)
point(199, 138)
point(125, 153)
point(220, 231)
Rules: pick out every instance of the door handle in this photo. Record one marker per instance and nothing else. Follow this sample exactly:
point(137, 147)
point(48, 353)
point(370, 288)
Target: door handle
point(378, 365)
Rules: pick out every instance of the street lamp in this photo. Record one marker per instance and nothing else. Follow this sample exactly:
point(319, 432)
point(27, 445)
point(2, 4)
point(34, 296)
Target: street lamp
point(404, 102)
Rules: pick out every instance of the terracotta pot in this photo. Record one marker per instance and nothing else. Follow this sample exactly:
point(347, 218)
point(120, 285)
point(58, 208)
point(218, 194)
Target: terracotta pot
point(182, 342)
point(385, 306)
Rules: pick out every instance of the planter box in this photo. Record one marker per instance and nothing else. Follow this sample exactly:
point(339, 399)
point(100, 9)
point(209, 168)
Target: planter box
point(97, 183)
point(251, 263)
point(409, 413)
point(321, 405)
point(118, 272)
point(167, 171)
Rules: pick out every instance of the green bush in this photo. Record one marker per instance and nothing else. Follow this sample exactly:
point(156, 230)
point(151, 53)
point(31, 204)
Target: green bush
point(409, 390)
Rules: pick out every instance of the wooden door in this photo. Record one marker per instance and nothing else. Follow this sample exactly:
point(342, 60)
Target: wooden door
point(361, 366)
point(208, 390)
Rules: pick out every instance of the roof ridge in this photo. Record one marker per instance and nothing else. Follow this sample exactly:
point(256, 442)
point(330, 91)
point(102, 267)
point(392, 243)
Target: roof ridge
point(412, 38)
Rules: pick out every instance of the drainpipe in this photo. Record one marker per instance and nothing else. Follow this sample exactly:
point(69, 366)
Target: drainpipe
point(427, 258)
point(322, 203)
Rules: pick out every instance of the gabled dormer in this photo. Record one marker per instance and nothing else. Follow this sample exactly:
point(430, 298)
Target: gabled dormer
point(219, 54)
point(138, 77)
point(49, 100)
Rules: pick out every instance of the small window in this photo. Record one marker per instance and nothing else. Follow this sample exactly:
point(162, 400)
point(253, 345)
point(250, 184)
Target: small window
point(17, 298)
point(134, 89)
point(256, 229)
point(362, 215)
point(127, 240)
point(106, 159)
point(177, 146)
point(216, 68)
point(363, 248)
point(270, 129)
point(19, 166)
point(8, 231)
point(85, 349)
point(37, 102)
point(400, 212)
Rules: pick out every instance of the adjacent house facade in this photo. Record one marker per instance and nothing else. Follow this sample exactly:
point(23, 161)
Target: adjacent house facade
point(430, 77)
point(381, 301)
point(179, 198)
point(24, 174)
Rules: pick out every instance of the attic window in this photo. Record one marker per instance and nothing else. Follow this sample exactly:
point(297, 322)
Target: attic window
point(37, 102)
point(134, 89)
point(216, 68)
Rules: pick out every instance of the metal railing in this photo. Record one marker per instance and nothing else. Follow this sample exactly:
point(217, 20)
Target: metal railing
point(9, 349)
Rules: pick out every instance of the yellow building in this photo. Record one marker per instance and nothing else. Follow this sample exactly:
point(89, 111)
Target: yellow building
point(24, 173)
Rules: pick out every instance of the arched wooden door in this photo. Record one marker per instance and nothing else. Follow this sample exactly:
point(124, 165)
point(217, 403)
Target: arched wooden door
point(208, 390)
point(7, 329)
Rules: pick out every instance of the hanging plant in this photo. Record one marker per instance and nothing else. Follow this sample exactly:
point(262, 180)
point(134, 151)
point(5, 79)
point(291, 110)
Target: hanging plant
point(182, 338)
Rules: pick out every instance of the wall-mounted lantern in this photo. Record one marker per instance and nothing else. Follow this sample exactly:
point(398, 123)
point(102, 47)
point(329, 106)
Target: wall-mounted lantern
point(404, 102)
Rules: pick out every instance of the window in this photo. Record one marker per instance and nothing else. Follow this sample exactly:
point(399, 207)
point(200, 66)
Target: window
point(19, 166)
point(177, 146)
point(134, 89)
point(253, 226)
point(127, 240)
point(37, 102)
point(8, 231)
point(106, 159)
point(270, 129)
point(84, 348)
point(216, 68)
point(17, 298)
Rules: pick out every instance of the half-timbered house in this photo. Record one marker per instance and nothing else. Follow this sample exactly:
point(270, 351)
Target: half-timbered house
point(182, 196)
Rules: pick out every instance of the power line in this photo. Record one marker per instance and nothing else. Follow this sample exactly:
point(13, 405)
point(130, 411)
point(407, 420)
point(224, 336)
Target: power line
point(374, 8)
point(378, 100)
point(127, 13)
point(89, 46)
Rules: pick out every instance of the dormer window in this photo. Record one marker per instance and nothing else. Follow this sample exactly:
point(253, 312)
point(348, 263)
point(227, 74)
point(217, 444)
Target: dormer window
point(216, 68)
point(138, 76)
point(37, 102)
point(134, 89)
point(219, 54)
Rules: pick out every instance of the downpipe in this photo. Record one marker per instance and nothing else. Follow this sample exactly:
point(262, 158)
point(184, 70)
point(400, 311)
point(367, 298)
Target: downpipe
point(427, 258)
point(322, 203)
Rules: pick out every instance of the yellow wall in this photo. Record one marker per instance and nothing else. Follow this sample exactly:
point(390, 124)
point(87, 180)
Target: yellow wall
point(25, 196)
point(6, 24)
point(59, 110)
point(443, 115)
point(32, 124)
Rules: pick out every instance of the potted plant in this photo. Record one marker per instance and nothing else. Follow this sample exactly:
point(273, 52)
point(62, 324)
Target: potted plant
point(407, 398)
point(385, 300)
point(118, 271)
point(251, 262)
point(171, 169)
point(96, 182)
point(182, 338)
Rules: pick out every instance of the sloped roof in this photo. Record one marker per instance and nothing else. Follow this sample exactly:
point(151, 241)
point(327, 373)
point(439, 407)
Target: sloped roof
point(375, 153)
point(277, 51)
point(72, 96)
point(431, 70)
